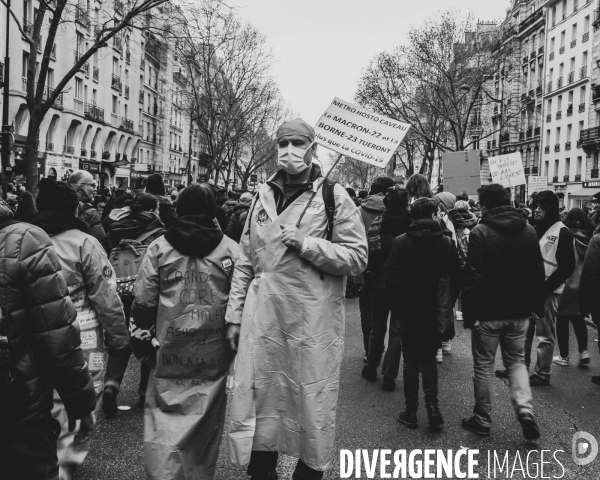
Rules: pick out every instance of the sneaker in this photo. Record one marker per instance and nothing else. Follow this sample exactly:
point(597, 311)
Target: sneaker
point(439, 356)
point(537, 381)
point(596, 379)
point(408, 419)
point(389, 384)
point(369, 374)
point(530, 428)
point(584, 358)
point(459, 316)
point(474, 426)
point(446, 348)
point(564, 361)
point(109, 402)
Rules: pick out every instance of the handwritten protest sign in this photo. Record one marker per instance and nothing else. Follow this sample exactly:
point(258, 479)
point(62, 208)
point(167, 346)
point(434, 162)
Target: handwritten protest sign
point(537, 184)
point(358, 133)
point(507, 170)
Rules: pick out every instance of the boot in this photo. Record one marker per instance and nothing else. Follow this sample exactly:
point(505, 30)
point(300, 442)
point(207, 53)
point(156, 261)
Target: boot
point(109, 402)
point(434, 415)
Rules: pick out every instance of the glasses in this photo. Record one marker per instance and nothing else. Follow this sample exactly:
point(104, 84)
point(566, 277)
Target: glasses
point(93, 185)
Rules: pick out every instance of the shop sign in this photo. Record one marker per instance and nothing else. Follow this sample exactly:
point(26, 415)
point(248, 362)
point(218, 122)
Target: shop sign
point(594, 184)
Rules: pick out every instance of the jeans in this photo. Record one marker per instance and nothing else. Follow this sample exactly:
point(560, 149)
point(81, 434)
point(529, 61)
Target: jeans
point(263, 466)
point(380, 311)
point(510, 334)
point(364, 303)
point(29, 451)
point(562, 334)
point(546, 334)
point(529, 340)
point(418, 357)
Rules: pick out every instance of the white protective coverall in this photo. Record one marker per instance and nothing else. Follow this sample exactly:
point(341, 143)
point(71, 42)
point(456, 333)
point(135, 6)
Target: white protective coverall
point(93, 290)
point(185, 298)
point(290, 306)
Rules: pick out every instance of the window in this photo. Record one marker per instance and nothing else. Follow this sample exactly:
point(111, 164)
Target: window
point(25, 64)
point(548, 137)
point(94, 96)
point(562, 38)
point(575, 5)
point(572, 69)
point(574, 32)
point(564, 9)
point(567, 166)
point(554, 15)
point(559, 103)
point(556, 168)
point(546, 168)
point(582, 94)
point(561, 69)
point(115, 67)
point(115, 105)
point(50, 78)
point(25, 11)
point(584, 59)
point(569, 128)
point(552, 43)
point(586, 24)
point(578, 166)
point(78, 88)
point(557, 135)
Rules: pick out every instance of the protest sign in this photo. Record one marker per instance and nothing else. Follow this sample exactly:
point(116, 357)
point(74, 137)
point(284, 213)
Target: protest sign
point(357, 133)
point(537, 184)
point(461, 172)
point(507, 170)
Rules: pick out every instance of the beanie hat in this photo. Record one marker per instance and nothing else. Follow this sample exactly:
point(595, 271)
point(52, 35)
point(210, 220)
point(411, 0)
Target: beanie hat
point(53, 195)
point(246, 198)
point(447, 198)
point(155, 184)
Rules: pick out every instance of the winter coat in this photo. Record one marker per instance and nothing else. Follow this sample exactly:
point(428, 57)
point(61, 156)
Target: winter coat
point(370, 208)
point(237, 221)
point(589, 285)
point(90, 216)
point(133, 225)
point(39, 320)
point(290, 305)
point(393, 224)
point(418, 259)
point(568, 304)
point(167, 215)
point(504, 275)
point(181, 292)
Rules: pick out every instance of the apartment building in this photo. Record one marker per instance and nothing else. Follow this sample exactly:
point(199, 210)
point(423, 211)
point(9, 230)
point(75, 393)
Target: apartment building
point(120, 117)
point(567, 93)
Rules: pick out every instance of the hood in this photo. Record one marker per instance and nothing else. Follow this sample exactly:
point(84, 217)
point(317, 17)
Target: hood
point(240, 207)
point(194, 235)
point(374, 203)
point(425, 232)
point(54, 222)
point(118, 213)
point(133, 225)
point(6, 213)
point(505, 220)
point(395, 222)
point(582, 240)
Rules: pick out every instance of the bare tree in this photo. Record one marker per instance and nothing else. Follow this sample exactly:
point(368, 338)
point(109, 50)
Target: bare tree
point(39, 98)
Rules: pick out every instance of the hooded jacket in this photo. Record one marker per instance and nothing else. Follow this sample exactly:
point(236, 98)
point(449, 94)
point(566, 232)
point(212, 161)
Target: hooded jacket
point(370, 208)
point(39, 320)
point(504, 275)
point(417, 261)
point(133, 225)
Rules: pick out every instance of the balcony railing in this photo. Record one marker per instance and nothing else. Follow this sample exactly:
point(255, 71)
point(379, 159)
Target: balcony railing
point(547, 149)
point(557, 147)
point(95, 74)
point(82, 16)
point(541, 50)
point(569, 110)
point(561, 50)
point(86, 68)
point(578, 144)
point(555, 179)
point(532, 55)
point(527, 170)
point(567, 145)
point(594, 173)
point(558, 115)
point(69, 149)
point(582, 72)
point(582, 107)
point(578, 177)
point(126, 91)
point(573, 43)
point(49, 146)
point(559, 82)
point(83, 152)
point(551, 56)
point(548, 118)
point(596, 21)
point(27, 27)
point(566, 178)
point(570, 78)
point(586, 37)
point(47, 93)
point(94, 112)
point(549, 87)
point(116, 82)
point(53, 52)
point(126, 124)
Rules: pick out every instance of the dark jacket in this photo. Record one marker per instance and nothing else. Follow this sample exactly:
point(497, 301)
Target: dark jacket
point(167, 215)
point(370, 208)
point(417, 261)
point(393, 224)
point(589, 285)
point(92, 219)
point(39, 321)
point(134, 225)
point(504, 275)
point(237, 221)
point(568, 304)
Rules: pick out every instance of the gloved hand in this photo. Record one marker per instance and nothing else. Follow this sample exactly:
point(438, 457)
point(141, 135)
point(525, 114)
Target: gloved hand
point(233, 336)
point(86, 428)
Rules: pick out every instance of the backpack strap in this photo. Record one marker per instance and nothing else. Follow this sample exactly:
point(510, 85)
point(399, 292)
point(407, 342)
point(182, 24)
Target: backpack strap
point(329, 201)
point(147, 235)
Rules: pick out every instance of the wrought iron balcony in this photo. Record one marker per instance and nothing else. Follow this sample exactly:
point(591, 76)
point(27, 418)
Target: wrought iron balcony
point(578, 177)
point(49, 146)
point(541, 50)
point(551, 56)
point(583, 72)
point(548, 118)
point(83, 152)
point(534, 170)
point(126, 124)
point(555, 179)
point(557, 147)
point(93, 154)
point(566, 178)
point(582, 107)
point(569, 110)
point(532, 55)
point(549, 87)
point(82, 16)
point(547, 149)
point(586, 37)
point(559, 115)
point(570, 78)
point(94, 112)
point(559, 82)
point(538, 90)
point(116, 83)
point(573, 43)
point(69, 149)
point(567, 145)
point(527, 170)
point(578, 144)
point(561, 50)
point(106, 155)
point(95, 74)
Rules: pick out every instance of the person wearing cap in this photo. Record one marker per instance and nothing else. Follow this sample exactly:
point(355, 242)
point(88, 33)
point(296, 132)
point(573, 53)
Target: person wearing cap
point(85, 186)
point(92, 286)
point(286, 308)
point(556, 244)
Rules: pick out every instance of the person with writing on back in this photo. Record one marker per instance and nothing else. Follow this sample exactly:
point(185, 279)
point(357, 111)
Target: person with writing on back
point(93, 289)
point(286, 307)
point(181, 294)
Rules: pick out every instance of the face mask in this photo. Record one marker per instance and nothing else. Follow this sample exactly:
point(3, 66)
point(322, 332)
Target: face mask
point(291, 159)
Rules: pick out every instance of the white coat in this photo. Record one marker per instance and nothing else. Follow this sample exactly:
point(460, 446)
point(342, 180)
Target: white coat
point(290, 306)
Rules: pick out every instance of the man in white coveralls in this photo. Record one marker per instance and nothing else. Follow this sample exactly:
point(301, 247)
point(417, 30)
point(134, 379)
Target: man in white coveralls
point(286, 307)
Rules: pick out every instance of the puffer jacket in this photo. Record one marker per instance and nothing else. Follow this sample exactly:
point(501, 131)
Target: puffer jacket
point(39, 320)
point(90, 216)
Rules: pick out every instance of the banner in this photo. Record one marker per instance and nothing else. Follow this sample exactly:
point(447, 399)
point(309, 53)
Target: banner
point(461, 172)
point(359, 133)
point(537, 184)
point(507, 170)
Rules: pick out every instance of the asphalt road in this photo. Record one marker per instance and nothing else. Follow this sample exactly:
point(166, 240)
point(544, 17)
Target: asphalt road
point(366, 419)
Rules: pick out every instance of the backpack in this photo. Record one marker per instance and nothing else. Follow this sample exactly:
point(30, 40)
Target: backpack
point(126, 260)
point(329, 201)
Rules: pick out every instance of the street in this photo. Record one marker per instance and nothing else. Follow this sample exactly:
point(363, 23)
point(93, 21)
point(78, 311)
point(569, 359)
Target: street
point(366, 418)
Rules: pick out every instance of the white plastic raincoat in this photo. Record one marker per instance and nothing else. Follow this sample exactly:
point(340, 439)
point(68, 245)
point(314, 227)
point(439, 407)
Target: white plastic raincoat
point(291, 309)
point(185, 298)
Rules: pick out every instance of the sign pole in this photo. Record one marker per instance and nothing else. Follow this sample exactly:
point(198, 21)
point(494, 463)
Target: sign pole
point(315, 192)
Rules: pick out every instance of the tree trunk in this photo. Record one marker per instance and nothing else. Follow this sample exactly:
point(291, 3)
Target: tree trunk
point(31, 151)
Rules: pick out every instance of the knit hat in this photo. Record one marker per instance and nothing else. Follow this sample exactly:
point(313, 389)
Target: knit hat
point(155, 184)
point(53, 195)
point(447, 198)
point(246, 198)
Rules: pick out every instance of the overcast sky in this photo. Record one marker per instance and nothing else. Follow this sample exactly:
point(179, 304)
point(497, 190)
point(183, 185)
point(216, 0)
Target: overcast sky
point(321, 46)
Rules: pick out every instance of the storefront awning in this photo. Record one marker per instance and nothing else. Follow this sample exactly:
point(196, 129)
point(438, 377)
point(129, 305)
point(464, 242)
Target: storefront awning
point(585, 192)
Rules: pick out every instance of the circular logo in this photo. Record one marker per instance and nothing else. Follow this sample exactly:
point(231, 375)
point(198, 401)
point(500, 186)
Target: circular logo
point(262, 217)
point(107, 272)
point(584, 448)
